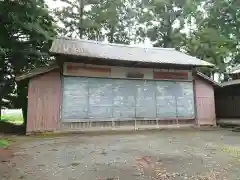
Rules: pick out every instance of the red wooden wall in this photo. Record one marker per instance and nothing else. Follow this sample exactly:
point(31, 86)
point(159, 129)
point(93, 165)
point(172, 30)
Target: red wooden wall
point(205, 105)
point(44, 98)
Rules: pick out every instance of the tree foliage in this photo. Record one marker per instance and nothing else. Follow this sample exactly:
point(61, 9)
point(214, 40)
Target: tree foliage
point(98, 19)
point(164, 21)
point(207, 29)
point(215, 38)
point(224, 16)
point(25, 30)
point(77, 20)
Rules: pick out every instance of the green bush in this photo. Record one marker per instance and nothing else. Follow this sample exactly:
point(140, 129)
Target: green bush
point(3, 143)
point(15, 119)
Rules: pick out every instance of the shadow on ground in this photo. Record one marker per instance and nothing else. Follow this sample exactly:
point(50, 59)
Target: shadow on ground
point(9, 128)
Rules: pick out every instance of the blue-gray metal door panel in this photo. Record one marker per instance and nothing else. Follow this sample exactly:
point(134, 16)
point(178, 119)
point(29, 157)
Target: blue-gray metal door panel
point(185, 102)
point(145, 99)
point(165, 99)
point(107, 99)
point(75, 98)
point(124, 98)
point(175, 99)
point(100, 98)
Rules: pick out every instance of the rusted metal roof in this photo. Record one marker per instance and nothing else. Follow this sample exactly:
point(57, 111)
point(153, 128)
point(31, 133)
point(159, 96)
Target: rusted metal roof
point(210, 80)
point(36, 72)
point(235, 70)
point(94, 49)
point(231, 82)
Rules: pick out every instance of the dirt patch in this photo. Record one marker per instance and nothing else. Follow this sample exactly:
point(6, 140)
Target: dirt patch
point(170, 155)
point(5, 154)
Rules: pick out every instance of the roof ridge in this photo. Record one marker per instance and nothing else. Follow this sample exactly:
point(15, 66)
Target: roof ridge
point(114, 44)
point(122, 52)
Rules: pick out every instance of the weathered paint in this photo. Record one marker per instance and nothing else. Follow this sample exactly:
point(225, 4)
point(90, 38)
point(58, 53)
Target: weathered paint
point(80, 70)
point(125, 125)
point(44, 96)
point(105, 99)
point(227, 100)
point(170, 75)
point(205, 105)
point(89, 70)
point(124, 53)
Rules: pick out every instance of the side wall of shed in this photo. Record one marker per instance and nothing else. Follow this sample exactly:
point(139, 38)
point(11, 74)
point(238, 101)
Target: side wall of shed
point(205, 105)
point(227, 101)
point(44, 98)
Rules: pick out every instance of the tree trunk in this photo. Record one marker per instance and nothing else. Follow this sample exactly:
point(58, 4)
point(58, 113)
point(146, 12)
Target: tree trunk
point(81, 11)
point(112, 34)
point(167, 42)
point(22, 100)
point(24, 112)
point(0, 108)
point(2, 91)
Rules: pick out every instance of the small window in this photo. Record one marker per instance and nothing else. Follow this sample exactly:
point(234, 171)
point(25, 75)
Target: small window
point(135, 75)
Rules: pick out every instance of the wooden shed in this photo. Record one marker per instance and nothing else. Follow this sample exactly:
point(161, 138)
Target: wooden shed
point(102, 86)
point(227, 99)
point(228, 102)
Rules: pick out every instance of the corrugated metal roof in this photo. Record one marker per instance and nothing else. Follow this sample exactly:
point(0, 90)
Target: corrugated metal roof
point(235, 70)
point(120, 52)
point(208, 79)
point(36, 72)
point(230, 82)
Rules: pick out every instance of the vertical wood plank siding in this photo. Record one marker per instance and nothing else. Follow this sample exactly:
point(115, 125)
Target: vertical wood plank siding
point(44, 98)
point(205, 105)
point(228, 102)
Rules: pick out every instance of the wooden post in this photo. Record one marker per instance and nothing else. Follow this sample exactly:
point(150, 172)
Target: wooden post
point(135, 125)
point(113, 124)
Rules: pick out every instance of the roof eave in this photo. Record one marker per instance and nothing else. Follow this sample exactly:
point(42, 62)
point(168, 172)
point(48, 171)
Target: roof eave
point(209, 79)
point(231, 83)
point(36, 72)
point(205, 64)
point(75, 47)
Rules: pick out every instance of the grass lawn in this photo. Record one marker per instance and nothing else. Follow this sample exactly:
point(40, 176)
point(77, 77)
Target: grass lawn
point(13, 118)
point(3, 143)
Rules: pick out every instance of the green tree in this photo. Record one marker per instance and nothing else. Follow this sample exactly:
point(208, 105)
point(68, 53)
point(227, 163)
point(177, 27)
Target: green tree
point(210, 45)
point(216, 36)
point(80, 19)
point(118, 18)
point(163, 21)
point(25, 33)
point(224, 16)
point(112, 20)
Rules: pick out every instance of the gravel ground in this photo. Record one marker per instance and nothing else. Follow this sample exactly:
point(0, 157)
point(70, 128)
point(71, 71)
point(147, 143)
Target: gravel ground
point(195, 155)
